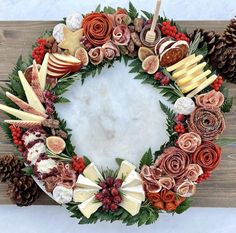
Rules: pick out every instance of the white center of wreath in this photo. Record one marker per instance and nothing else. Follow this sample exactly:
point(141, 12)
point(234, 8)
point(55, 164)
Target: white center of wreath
point(113, 115)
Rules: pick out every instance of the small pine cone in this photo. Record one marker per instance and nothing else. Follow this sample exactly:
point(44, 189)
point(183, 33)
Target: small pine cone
point(62, 134)
point(230, 33)
point(23, 190)
point(51, 123)
point(9, 166)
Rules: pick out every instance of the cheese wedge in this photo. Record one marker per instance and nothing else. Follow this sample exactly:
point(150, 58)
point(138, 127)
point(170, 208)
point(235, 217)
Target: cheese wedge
point(83, 182)
point(180, 63)
point(125, 169)
point(205, 84)
point(43, 72)
point(135, 192)
point(191, 85)
point(32, 98)
point(130, 204)
point(133, 179)
point(89, 206)
point(91, 172)
point(20, 114)
point(81, 195)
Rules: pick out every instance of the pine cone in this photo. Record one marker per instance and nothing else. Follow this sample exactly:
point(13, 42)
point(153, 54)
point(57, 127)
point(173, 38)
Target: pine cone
point(23, 190)
point(9, 166)
point(230, 33)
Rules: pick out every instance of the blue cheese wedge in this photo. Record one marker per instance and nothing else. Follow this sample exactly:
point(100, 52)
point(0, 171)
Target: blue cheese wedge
point(130, 204)
point(88, 207)
point(91, 172)
point(125, 169)
point(136, 192)
point(83, 182)
point(81, 195)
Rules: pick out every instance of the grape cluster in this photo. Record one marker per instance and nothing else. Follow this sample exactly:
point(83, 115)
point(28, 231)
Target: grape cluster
point(109, 194)
point(49, 98)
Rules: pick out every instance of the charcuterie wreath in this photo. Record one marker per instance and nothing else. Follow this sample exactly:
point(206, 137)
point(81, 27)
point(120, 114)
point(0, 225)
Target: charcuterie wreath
point(79, 47)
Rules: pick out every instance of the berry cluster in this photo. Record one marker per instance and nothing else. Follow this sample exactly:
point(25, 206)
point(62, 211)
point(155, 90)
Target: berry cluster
point(109, 194)
point(217, 83)
point(179, 128)
point(16, 136)
point(163, 79)
point(49, 98)
point(168, 30)
point(78, 164)
point(38, 52)
point(203, 177)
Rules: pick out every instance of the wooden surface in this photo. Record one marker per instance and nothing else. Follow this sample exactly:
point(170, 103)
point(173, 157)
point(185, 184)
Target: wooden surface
point(16, 38)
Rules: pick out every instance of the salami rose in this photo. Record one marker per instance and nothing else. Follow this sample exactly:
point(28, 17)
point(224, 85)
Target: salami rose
point(167, 182)
point(97, 28)
point(207, 156)
point(207, 122)
point(189, 142)
point(173, 162)
point(110, 50)
point(152, 187)
point(212, 99)
point(150, 173)
point(167, 195)
point(186, 189)
point(193, 172)
point(96, 55)
point(121, 35)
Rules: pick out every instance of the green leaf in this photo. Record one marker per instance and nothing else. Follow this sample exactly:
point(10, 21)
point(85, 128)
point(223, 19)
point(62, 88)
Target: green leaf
point(6, 130)
point(227, 105)
point(62, 100)
point(86, 161)
point(109, 10)
point(147, 15)
point(119, 161)
point(98, 8)
point(133, 13)
point(28, 171)
point(225, 141)
point(196, 47)
point(183, 206)
point(147, 159)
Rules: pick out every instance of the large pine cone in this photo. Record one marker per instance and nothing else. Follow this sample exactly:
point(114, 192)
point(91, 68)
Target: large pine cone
point(23, 190)
point(9, 166)
point(230, 33)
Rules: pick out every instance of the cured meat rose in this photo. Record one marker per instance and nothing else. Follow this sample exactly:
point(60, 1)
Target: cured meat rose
point(212, 99)
point(110, 50)
point(209, 123)
point(207, 156)
point(96, 55)
point(150, 173)
point(97, 28)
point(173, 162)
point(189, 142)
point(121, 35)
point(193, 172)
point(167, 195)
point(154, 187)
point(167, 182)
point(186, 189)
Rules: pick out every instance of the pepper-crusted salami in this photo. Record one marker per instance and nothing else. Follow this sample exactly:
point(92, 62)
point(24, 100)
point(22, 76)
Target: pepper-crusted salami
point(171, 56)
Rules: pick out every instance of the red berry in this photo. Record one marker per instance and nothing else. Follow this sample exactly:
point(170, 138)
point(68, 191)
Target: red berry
point(179, 117)
point(106, 201)
point(105, 192)
point(117, 199)
point(118, 183)
point(165, 81)
point(114, 192)
point(102, 184)
point(113, 207)
point(99, 196)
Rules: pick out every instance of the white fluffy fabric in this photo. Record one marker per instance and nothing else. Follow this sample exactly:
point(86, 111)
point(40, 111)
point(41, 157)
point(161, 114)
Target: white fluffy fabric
point(114, 115)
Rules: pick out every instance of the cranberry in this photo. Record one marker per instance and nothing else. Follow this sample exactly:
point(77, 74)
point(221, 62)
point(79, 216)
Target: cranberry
point(110, 181)
point(158, 76)
point(113, 207)
point(165, 81)
point(114, 192)
point(117, 199)
point(102, 184)
point(105, 192)
point(99, 196)
point(118, 183)
point(106, 201)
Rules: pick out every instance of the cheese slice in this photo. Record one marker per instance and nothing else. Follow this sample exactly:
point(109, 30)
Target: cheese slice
point(83, 182)
point(88, 207)
point(81, 195)
point(133, 179)
point(20, 114)
point(32, 98)
point(205, 84)
point(197, 68)
point(91, 172)
point(43, 72)
point(194, 60)
point(135, 192)
point(130, 204)
point(180, 63)
point(181, 72)
point(191, 85)
point(125, 169)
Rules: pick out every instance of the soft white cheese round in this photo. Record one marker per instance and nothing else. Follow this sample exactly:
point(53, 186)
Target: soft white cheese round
point(62, 195)
point(45, 166)
point(74, 21)
point(58, 33)
point(34, 152)
point(184, 105)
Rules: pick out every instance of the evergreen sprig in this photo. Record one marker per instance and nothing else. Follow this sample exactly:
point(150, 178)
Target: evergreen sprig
point(133, 13)
point(147, 159)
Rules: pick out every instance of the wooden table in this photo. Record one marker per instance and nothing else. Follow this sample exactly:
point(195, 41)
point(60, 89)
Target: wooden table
point(17, 37)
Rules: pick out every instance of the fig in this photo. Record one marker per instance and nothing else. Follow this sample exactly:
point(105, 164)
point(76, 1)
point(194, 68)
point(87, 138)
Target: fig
point(28, 72)
point(144, 52)
point(151, 64)
point(82, 55)
point(55, 144)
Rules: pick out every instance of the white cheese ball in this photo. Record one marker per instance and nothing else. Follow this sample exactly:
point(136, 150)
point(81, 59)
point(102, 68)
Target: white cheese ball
point(45, 166)
point(62, 195)
point(58, 33)
point(74, 21)
point(35, 151)
point(184, 105)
